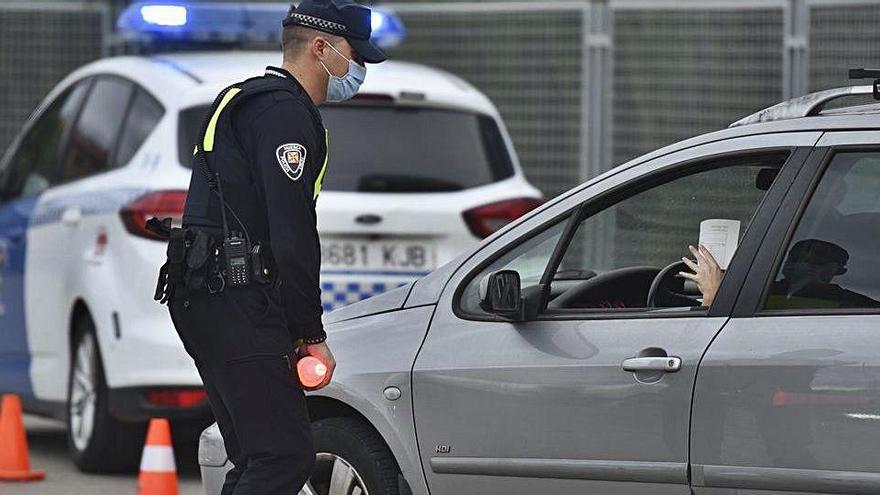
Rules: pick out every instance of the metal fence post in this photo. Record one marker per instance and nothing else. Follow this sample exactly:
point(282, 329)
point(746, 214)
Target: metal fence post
point(596, 122)
point(596, 88)
point(796, 50)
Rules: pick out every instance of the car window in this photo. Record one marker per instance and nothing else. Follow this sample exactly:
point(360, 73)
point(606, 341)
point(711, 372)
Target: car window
point(619, 250)
point(529, 259)
point(396, 149)
point(94, 137)
point(615, 253)
point(142, 118)
point(831, 260)
point(33, 167)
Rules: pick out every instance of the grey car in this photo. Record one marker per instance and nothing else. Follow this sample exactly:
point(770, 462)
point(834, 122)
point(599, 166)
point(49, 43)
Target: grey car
point(565, 355)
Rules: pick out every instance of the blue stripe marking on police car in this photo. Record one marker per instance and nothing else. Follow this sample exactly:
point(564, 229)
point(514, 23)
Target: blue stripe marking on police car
point(15, 357)
point(90, 203)
point(374, 273)
point(342, 292)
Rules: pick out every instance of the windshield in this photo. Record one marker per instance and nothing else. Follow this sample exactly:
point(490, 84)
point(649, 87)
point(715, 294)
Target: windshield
point(394, 149)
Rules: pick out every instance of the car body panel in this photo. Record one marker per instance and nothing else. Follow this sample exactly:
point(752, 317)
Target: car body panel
point(15, 359)
point(789, 403)
point(372, 354)
point(499, 394)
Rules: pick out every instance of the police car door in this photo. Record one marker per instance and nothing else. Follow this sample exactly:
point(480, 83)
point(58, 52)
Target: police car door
point(578, 400)
point(29, 168)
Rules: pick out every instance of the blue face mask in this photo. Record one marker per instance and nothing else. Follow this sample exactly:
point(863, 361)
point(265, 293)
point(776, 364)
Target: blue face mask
point(343, 88)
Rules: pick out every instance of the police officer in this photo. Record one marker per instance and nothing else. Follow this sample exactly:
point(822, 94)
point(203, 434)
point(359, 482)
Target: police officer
point(257, 174)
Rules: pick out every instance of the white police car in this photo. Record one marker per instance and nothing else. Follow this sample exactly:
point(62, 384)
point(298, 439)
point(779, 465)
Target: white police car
point(421, 168)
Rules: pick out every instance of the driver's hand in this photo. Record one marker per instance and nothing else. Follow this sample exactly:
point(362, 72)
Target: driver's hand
point(707, 274)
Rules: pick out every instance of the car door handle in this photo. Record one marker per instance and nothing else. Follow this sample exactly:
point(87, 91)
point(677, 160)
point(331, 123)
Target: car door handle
point(71, 216)
point(668, 364)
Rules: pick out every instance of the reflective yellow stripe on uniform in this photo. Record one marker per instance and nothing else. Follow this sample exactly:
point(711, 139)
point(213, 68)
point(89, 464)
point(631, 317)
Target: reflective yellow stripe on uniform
point(320, 179)
point(208, 142)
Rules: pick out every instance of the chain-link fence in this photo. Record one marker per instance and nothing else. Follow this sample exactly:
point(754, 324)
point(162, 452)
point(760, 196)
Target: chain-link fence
point(491, 48)
point(581, 84)
point(680, 72)
point(40, 43)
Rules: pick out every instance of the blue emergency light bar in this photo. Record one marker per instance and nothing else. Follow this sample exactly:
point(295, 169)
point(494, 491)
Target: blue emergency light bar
point(229, 23)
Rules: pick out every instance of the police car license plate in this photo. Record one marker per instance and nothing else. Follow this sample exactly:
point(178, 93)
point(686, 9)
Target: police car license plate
point(378, 255)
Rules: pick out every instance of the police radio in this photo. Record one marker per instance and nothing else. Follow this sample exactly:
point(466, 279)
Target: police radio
point(236, 249)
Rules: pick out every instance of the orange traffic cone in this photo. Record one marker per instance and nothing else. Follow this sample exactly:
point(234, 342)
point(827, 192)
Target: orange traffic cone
point(158, 474)
point(14, 460)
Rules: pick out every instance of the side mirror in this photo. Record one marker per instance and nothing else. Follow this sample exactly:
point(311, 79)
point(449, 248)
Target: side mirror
point(500, 294)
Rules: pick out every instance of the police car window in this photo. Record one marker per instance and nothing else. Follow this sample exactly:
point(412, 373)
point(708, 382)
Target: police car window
point(95, 135)
point(33, 167)
point(616, 253)
point(831, 260)
point(394, 149)
point(142, 118)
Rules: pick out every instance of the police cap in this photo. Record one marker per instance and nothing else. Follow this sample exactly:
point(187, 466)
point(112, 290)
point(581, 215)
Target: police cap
point(342, 18)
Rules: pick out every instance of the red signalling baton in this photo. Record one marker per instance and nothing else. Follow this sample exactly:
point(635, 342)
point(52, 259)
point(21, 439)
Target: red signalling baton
point(311, 371)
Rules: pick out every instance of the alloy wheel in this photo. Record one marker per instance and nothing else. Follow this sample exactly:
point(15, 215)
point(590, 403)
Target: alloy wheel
point(333, 475)
point(83, 392)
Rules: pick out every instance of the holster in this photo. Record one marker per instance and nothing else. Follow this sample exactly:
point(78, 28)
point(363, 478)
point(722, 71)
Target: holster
point(189, 263)
point(171, 274)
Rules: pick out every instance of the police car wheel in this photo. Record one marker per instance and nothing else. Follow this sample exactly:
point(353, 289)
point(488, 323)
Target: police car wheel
point(97, 442)
point(352, 459)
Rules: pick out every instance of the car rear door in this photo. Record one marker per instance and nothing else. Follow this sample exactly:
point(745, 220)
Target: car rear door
point(788, 395)
point(61, 234)
point(30, 169)
point(546, 406)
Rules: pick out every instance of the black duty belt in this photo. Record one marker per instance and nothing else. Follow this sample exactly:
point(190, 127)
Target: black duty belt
point(196, 262)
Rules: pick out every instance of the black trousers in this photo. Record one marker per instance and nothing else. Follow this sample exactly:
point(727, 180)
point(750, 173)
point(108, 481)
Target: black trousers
point(240, 344)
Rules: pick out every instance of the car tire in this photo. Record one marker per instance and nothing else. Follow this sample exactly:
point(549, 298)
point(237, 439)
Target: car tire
point(97, 441)
point(349, 444)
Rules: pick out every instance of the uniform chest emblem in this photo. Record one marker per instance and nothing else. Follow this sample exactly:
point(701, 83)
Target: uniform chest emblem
point(292, 159)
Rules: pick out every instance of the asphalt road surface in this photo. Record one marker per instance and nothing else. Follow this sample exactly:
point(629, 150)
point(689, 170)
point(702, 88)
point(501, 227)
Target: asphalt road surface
point(48, 447)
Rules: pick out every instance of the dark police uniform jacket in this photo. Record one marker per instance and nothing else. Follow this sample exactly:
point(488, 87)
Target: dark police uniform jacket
point(269, 146)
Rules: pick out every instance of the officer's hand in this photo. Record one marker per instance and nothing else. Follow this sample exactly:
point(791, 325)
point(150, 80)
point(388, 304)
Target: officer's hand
point(707, 274)
point(322, 352)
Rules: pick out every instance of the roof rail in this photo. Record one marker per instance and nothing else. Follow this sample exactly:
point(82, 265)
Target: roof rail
point(802, 106)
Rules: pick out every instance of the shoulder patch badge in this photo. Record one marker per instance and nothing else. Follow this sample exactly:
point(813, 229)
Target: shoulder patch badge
point(292, 159)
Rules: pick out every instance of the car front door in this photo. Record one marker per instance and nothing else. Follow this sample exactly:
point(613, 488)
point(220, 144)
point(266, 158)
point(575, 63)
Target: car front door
point(29, 170)
point(546, 406)
point(788, 395)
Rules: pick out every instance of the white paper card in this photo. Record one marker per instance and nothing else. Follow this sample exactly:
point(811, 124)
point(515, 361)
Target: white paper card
point(720, 237)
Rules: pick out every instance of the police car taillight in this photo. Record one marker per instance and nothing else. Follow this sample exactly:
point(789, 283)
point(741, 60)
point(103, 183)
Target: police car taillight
point(160, 204)
point(485, 220)
point(176, 398)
